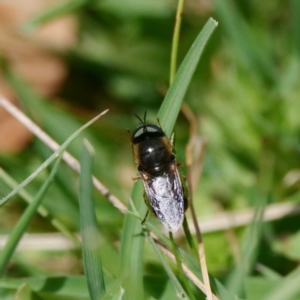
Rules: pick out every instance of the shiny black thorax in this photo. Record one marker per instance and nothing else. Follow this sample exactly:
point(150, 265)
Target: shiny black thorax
point(154, 157)
point(153, 151)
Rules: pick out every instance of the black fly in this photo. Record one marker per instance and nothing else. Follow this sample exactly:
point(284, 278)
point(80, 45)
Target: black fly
point(164, 191)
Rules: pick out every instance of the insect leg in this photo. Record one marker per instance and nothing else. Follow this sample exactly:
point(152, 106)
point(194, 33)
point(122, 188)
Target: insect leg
point(185, 190)
point(186, 203)
point(147, 201)
point(157, 119)
point(144, 220)
point(170, 141)
point(131, 141)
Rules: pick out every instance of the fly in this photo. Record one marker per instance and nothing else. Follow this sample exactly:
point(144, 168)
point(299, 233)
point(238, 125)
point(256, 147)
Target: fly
point(164, 192)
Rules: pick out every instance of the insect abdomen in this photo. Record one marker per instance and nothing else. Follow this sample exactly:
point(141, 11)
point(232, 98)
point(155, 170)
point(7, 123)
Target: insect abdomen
point(165, 196)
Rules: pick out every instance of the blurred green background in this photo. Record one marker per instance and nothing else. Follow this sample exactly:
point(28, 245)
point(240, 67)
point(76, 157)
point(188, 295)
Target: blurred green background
point(245, 94)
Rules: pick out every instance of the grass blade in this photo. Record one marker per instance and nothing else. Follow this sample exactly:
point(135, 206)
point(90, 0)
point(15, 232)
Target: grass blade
point(59, 286)
point(175, 41)
point(247, 49)
point(171, 105)
point(115, 291)
point(24, 292)
point(288, 288)
point(193, 265)
point(180, 269)
point(88, 227)
point(24, 221)
point(132, 247)
point(295, 21)
point(42, 210)
point(235, 281)
point(178, 288)
point(50, 159)
point(132, 239)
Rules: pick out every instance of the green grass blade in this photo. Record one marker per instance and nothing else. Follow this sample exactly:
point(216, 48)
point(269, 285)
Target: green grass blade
point(175, 41)
point(295, 21)
point(42, 210)
point(132, 246)
point(69, 286)
point(88, 227)
point(180, 269)
point(186, 258)
point(192, 264)
point(115, 291)
point(192, 243)
point(171, 105)
point(268, 273)
point(287, 289)
point(24, 292)
point(24, 221)
point(132, 238)
point(253, 55)
point(235, 281)
point(180, 292)
point(50, 159)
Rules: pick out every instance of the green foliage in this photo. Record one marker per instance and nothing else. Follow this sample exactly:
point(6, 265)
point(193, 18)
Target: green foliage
point(244, 91)
point(88, 227)
point(24, 221)
point(172, 103)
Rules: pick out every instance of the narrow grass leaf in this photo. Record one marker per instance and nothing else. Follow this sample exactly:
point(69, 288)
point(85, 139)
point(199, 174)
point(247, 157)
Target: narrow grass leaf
point(180, 292)
point(254, 55)
point(287, 289)
point(38, 296)
point(132, 247)
point(70, 286)
point(171, 105)
point(180, 269)
point(192, 243)
point(295, 23)
point(115, 291)
point(132, 238)
point(24, 292)
point(42, 210)
point(268, 272)
point(259, 287)
point(50, 159)
point(192, 264)
point(88, 227)
point(235, 281)
point(24, 221)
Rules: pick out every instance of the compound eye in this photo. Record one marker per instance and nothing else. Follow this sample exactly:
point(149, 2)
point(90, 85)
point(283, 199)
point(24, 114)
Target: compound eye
point(147, 129)
point(153, 128)
point(139, 131)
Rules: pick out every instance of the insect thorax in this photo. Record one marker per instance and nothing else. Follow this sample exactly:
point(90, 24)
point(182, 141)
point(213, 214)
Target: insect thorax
point(154, 155)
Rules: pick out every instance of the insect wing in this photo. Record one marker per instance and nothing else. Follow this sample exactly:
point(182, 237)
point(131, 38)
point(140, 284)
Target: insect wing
point(165, 195)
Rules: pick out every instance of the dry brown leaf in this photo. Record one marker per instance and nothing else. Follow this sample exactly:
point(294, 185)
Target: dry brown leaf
point(31, 56)
point(13, 135)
